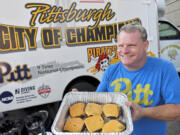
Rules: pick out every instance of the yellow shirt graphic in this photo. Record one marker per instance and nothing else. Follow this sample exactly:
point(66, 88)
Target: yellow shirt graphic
point(146, 91)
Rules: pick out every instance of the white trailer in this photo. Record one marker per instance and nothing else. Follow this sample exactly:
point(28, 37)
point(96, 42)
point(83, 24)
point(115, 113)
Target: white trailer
point(48, 47)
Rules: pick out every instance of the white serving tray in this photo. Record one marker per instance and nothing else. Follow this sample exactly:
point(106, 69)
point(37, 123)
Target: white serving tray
point(87, 97)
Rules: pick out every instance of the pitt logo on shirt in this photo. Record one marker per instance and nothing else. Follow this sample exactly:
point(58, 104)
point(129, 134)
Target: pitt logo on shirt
point(138, 91)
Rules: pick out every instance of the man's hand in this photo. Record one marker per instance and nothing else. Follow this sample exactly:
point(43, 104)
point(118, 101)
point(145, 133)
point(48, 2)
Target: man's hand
point(162, 112)
point(136, 110)
point(75, 90)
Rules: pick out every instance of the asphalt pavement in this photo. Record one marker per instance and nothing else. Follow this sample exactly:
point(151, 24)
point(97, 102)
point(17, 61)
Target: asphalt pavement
point(173, 128)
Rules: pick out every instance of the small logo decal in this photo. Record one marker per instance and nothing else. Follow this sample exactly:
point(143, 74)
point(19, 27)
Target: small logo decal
point(6, 97)
point(44, 91)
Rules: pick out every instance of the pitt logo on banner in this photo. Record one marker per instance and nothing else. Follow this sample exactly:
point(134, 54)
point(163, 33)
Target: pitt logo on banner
point(19, 74)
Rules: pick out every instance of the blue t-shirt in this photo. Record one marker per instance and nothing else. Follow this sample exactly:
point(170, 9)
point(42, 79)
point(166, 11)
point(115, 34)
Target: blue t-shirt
point(156, 83)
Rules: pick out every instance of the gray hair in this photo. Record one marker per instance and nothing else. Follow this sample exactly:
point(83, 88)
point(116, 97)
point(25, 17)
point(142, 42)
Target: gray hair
point(134, 27)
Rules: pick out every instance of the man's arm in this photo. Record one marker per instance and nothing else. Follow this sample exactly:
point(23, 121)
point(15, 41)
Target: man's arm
point(163, 112)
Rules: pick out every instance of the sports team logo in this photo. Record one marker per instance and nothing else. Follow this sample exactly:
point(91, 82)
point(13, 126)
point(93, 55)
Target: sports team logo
point(6, 97)
point(171, 51)
point(103, 62)
point(102, 59)
point(44, 91)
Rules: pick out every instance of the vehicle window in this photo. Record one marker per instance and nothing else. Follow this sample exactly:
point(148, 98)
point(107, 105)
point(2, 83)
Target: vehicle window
point(167, 31)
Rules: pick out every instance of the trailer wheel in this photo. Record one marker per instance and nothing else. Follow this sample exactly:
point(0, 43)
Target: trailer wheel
point(84, 86)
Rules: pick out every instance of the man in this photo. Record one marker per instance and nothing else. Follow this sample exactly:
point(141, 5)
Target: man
point(151, 84)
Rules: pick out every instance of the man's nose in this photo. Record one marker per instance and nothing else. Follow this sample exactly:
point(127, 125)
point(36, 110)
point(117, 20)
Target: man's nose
point(123, 49)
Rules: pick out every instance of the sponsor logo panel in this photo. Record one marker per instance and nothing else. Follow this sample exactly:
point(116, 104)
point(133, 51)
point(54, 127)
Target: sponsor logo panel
point(6, 97)
point(44, 91)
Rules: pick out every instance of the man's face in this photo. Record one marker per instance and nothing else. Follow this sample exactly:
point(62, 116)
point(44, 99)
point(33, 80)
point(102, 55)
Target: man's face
point(132, 50)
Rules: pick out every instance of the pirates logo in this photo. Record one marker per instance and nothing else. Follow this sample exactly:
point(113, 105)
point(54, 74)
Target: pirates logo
point(44, 91)
point(103, 60)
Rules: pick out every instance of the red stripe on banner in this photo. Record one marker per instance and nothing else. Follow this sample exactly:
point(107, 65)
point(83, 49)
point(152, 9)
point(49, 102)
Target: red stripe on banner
point(85, 1)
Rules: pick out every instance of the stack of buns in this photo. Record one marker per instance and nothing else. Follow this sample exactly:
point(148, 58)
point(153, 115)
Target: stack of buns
point(94, 117)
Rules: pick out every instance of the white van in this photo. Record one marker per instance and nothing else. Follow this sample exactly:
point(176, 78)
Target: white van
point(50, 46)
point(169, 42)
point(169, 36)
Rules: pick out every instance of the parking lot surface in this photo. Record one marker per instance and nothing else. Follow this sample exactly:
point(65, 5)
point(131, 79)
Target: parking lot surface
point(173, 128)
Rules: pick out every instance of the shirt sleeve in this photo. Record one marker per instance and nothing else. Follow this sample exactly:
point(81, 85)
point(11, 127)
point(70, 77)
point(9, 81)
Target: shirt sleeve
point(103, 86)
point(171, 85)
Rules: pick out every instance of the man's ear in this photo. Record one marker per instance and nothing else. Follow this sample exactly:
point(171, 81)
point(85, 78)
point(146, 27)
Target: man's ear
point(146, 44)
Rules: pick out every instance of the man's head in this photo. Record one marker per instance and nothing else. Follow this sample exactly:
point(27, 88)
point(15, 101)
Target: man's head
point(132, 46)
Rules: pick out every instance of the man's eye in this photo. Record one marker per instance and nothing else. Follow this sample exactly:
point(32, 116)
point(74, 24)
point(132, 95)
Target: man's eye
point(132, 45)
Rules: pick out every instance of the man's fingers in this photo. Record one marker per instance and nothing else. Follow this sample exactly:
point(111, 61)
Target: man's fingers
point(129, 104)
point(74, 90)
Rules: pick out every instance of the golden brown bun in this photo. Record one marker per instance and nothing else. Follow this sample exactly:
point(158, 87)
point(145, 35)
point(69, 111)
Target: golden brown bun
point(94, 123)
point(74, 125)
point(77, 110)
point(111, 110)
point(93, 109)
point(113, 126)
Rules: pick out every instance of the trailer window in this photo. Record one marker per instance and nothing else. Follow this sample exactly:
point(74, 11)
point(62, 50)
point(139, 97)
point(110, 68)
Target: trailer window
point(167, 31)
